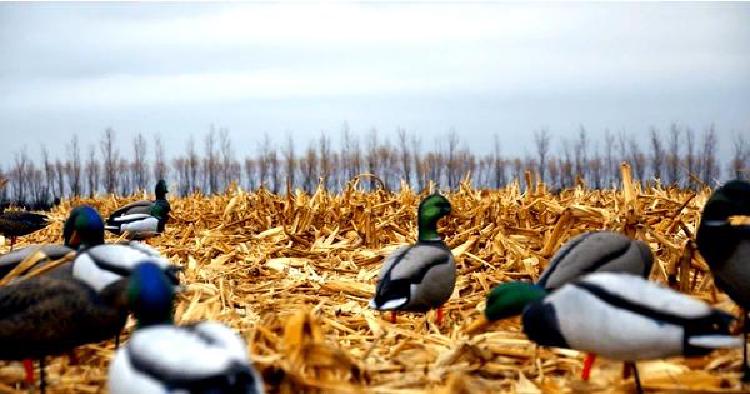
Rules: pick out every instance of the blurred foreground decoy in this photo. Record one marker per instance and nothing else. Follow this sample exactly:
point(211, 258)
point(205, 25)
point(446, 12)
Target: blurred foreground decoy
point(619, 316)
point(726, 247)
point(18, 223)
point(142, 219)
point(83, 228)
point(204, 357)
point(422, 276)
point(53, 313)
point(587, 253)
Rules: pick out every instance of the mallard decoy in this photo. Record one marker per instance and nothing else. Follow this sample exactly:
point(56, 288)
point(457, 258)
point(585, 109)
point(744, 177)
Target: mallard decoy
point(142, 219)
point(18, 223)
point(204, 357)
point(619, 316)
point(726, 248)
point(91, 295)
point(83, 228)
point(422, 276)
point(602, 251)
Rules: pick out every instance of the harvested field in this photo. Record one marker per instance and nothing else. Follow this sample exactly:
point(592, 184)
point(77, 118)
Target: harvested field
point(294, 273)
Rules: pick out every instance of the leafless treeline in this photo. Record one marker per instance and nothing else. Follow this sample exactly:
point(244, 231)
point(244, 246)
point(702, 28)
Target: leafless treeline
point(676, 156)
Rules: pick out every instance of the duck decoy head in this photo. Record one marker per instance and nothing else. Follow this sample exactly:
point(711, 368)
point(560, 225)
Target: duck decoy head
point(433, 207)
point(161, 189)
point(717, 237)
point(509, 299)
point(84, 227)
point(150, 295)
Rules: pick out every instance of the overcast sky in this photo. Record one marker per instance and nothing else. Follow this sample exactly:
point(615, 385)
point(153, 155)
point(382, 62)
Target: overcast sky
point(505, 68)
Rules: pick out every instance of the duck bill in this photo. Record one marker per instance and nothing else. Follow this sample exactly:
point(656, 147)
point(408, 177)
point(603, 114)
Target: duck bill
point(75, 239)
point(478, 326)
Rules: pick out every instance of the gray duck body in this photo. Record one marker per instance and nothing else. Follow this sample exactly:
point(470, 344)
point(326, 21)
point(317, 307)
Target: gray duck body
point(625, 317)
point(596, 252)
point(418, 277)
point(46, 315)
point(11, 259)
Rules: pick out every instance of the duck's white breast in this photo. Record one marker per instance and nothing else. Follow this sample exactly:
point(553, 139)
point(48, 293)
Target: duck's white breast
point(174, 352)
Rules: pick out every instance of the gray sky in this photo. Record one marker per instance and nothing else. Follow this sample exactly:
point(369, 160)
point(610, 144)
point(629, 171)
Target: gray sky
point(506, 68)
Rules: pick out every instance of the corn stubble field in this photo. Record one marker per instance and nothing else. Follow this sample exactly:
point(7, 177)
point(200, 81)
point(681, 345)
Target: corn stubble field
point(293, 275)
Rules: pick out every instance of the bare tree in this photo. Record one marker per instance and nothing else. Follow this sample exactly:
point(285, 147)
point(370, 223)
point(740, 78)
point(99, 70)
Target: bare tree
point(567, 165)
point(657, 154)
point(453, 141)
point(498, 164)
point(251, 166)
point(110, 159)
point(263, 150)
point(273, 165)
point(673, 157)
point(554, 172)
point(124, 178)
point(609, 158)
point(711, 170)
point(518, 169)
point(325, 168)
point(210, 163)
point(739, 164)
point(595, 167)
point(690, 158)
point(60, 178)
point(73, 166)
point(49, 172)
point(35, 185)
point(637, 160)
point(290, 161)
point(18, 175)
point(419, 167)
point(192, 164)
point(405, 155)
point(160, 166)
point(181, 169)
point(92, 171)
point(139, 166)
point(346, 152)
point(372, 155)
point(580, 151)
point(227, 157)
point(309, 168)
point(541, 140)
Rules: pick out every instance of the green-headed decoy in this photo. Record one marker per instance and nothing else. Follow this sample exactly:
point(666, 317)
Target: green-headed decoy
point(726, 247)
point(142, 219)
point(600, 251)
point(616, 315)
point(422, 276)
point(160, 357)
point(83, 228)
point(18, 223)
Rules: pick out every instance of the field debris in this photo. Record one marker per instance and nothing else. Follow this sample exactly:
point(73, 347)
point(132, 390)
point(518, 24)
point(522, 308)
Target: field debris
point(293, 274)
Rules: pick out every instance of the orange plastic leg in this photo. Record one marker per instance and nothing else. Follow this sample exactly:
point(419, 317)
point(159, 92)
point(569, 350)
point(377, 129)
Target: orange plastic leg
point(393, 317)
point(588, 362)
point(439, 317)
point(28, 367)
